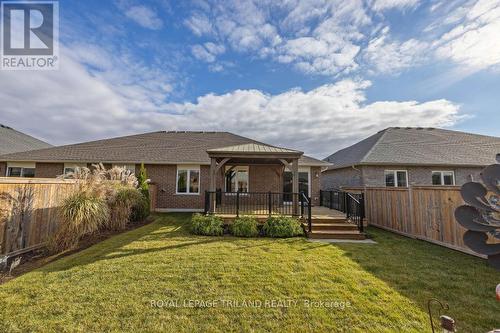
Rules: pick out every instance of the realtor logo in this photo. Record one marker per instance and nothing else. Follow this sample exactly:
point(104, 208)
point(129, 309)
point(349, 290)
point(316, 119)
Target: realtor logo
point(29, 35)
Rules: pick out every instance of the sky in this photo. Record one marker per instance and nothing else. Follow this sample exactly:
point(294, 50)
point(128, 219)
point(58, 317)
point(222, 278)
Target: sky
point(313, 75)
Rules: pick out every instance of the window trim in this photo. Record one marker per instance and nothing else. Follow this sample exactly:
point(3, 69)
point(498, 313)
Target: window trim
point(22, 166)
point(73, 166)
point(395, 174)
point(188, 182)
point(442, 177)
point(237, 168)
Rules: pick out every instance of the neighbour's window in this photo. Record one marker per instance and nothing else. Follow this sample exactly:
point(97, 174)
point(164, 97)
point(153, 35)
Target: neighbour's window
point(188, 181)
point(237, 179)
point(20, 172)
point(69, 170)
point(396, 178)
point(443, 178)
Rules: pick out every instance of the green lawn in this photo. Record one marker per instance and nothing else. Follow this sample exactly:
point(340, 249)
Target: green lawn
point(110, 286)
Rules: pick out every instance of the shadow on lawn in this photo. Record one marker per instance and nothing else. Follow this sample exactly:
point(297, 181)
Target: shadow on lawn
point(116, 247)
point(419, 271)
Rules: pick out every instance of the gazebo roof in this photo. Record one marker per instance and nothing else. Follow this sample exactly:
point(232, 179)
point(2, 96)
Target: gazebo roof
point(254, 148)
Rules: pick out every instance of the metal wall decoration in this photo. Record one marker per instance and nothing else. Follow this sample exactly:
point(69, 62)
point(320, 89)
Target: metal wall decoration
point(481, 214)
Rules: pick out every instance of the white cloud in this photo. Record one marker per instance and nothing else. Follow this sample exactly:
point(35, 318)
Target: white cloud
point(381, 5)
point(199, 24)
point(145, 17)
point(207, 52)
point(472, 43)
point(385, 56)
point(75, 104)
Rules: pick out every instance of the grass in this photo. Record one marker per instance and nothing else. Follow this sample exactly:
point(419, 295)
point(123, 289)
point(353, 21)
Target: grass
point(110, 286)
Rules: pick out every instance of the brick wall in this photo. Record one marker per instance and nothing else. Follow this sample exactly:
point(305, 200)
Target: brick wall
point(374, 175)
point(3, 169)
point(262, 178)
point(164, 176)
point(337, 178)
point(315, 184)
point(48, 170)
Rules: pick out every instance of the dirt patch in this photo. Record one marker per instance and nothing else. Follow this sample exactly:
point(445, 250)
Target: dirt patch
point(38, 258)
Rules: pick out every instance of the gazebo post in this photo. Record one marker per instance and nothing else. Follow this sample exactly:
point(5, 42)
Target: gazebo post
point(212, 189)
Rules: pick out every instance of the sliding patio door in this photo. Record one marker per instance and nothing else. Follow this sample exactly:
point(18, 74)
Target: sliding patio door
point(288, 184)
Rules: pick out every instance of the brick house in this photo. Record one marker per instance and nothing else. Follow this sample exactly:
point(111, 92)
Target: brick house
point(184, 165)
point(397, 157)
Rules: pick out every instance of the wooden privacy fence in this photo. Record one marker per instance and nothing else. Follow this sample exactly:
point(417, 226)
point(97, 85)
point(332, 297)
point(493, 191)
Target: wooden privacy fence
point(29, 211)
point(423, 212)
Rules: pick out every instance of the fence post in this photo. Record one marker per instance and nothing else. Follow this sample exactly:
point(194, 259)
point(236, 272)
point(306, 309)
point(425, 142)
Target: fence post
point(269, 204)
point(331, 200)
point(362, 213)
point(238, 204)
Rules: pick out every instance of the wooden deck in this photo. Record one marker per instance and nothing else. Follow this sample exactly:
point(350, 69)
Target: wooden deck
point(325, 223)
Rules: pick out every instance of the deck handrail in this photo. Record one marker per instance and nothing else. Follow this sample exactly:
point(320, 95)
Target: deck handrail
point(352, 204)
point(258, 203)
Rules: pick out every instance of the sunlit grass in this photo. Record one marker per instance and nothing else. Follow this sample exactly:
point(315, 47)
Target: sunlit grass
point(110, 286)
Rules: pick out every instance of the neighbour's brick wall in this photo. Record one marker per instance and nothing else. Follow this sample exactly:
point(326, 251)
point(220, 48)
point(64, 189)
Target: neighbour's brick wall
point(337, 178)
point(374, 175)
point(48, 170)
point(3, 169)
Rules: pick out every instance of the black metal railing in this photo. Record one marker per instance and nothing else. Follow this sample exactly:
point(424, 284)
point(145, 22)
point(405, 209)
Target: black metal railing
point(352, 204)
point(259, 203)
point(306, 210)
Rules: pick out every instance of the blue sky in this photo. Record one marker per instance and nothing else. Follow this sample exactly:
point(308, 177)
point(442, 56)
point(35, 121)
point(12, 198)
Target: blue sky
point(311, 75)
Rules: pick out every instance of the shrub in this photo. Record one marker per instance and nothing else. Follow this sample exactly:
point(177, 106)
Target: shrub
point(141, 209)
point(208, 225)
point(282, 226)
point(121, 205)
point(82, 213)
point(142, 179)
point(245, 226)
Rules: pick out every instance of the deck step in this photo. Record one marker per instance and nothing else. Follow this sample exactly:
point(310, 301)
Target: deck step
point(336, 235)
point(333, 226)
point(329, 221)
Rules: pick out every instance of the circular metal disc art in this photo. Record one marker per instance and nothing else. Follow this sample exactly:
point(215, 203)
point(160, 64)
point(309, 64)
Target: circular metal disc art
point(481, 214)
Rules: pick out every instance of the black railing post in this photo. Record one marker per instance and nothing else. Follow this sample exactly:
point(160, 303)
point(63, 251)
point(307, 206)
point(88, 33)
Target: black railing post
point(309, 214)
point(207, 202)
point(347, 205)
point(321, 197)
point(301, 198)
point(270, 205)
point(331, 200)
point(238, 204)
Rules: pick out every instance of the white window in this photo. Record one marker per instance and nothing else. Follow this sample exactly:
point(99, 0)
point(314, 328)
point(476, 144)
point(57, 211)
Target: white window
point(236, 179)
point(188, 180)
point(396, 178)
point(70, 167)
point(443, 178)
point(21, 170)
point(129, 167)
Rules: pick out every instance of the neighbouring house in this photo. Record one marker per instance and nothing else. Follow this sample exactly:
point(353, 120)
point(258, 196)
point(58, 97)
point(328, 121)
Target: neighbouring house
point(397, 157)
point(12, 141)
point(184, 165)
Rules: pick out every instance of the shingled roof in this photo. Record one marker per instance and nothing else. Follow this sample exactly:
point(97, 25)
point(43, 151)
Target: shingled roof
point(156, 147)
point(419, 146)
point(12, 141)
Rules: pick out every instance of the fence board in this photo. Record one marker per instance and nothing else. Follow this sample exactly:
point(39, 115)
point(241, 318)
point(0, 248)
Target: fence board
point(29, 211)
point(423, 212)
